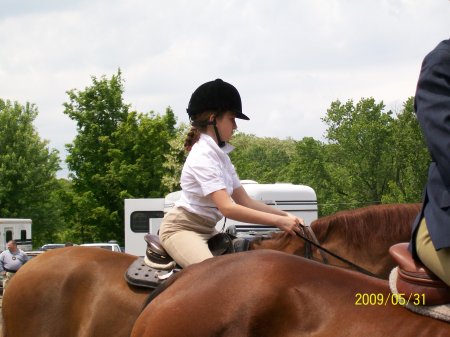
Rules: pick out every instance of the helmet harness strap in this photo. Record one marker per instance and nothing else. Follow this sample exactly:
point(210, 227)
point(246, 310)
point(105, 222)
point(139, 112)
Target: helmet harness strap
point(220, 142)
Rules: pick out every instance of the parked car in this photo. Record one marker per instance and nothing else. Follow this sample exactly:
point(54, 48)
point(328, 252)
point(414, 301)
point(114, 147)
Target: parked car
point(49, 246)
point(109, 246)
point(34, 253)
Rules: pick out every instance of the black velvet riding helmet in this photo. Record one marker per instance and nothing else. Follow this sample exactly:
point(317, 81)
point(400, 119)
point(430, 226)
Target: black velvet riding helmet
point(217, 96)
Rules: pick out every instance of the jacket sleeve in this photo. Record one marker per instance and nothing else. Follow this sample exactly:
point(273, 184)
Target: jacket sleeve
point(433, 107)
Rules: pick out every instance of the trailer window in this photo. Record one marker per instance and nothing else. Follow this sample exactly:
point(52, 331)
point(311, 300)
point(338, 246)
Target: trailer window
point(23, 235)
point(8, 236)
point(140, 220)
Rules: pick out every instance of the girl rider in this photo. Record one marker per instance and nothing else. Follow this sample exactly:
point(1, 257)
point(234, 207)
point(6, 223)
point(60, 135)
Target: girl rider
point(210, 186)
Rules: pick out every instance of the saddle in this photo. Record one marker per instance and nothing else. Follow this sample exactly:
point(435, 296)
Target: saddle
point(157, 265)
point(414, 278)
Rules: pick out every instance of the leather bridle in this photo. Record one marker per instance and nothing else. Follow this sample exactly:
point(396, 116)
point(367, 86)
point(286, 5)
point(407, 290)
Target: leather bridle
point(310, 239)
point(307, 234)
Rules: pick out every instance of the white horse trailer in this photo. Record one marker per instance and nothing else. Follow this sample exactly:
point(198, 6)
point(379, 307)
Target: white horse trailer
point(144, 216)
point(18, 230)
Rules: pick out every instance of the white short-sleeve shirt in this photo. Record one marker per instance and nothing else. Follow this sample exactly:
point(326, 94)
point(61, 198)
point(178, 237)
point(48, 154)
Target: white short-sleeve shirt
point(207, 169)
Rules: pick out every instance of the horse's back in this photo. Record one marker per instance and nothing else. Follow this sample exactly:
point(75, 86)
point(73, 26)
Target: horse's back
point(267, 293)
point(70, 292)
point(256, 293)
point(221, 296)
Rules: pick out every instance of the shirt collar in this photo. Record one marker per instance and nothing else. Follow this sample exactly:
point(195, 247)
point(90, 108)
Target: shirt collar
point(208, 139)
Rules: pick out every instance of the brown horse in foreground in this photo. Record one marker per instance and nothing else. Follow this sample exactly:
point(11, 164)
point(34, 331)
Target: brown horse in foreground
point(268, 293)
point(81, 291)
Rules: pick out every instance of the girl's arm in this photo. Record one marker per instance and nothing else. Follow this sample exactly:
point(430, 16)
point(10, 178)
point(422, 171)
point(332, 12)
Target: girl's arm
point(241, 197)
point(248, 210)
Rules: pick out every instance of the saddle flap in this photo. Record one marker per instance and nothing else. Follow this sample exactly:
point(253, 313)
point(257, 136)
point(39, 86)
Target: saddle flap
point(141, 275)
point(221, 243)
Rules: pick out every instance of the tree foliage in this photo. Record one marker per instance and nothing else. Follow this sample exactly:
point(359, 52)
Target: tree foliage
point(411, 158)
point(310, 167)
point(360, 162)
point(116, 154)
point(265, 160)
point(174, 160)
point(28, 184)
point(371, 157)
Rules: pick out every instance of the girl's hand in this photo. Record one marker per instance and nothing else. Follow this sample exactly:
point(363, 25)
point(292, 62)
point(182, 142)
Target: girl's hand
point(290, 223)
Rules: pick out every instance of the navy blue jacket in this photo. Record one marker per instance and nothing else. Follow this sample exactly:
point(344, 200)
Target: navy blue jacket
point(432, 105)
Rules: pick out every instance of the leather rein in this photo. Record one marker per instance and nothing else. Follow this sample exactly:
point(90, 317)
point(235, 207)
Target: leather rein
point(311, 240)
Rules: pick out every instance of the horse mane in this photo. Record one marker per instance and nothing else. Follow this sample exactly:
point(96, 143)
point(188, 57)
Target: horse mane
point(371, 224)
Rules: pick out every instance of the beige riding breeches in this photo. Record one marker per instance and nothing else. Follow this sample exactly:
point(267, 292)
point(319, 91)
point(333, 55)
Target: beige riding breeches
point(438, 261)
point(185, 236)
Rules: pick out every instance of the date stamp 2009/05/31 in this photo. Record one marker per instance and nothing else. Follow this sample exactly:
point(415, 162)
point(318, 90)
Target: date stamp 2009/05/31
point(385, 299)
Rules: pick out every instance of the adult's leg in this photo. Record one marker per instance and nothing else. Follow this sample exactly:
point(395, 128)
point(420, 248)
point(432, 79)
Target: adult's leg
point(6, 280)
point(438, 261)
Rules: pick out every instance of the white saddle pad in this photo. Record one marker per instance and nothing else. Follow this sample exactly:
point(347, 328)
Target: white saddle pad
point(441, 312)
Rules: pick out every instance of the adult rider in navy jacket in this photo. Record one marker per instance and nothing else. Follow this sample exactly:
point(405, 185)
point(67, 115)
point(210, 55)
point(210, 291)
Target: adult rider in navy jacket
point(431, 231)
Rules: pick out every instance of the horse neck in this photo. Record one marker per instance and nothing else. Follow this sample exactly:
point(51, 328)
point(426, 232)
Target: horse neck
point(364, 236)
point(330, 237)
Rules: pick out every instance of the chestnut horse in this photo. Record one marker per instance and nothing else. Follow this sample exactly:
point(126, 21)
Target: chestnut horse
point(81, 291)
point(268, 293)
point(73, 291)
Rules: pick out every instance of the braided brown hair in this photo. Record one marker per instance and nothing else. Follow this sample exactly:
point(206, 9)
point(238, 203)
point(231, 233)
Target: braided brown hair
point(199, 123)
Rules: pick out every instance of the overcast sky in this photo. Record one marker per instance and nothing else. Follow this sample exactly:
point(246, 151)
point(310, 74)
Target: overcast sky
point(288, 58)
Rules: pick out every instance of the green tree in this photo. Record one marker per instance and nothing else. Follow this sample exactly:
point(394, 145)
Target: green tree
point(262, 159)
point(359, 158)
point(116, 154)
point(411, 158)
point(98, 111)
point(139, 160)
point(310, 166)
point(28, 184)
point(174, 159)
